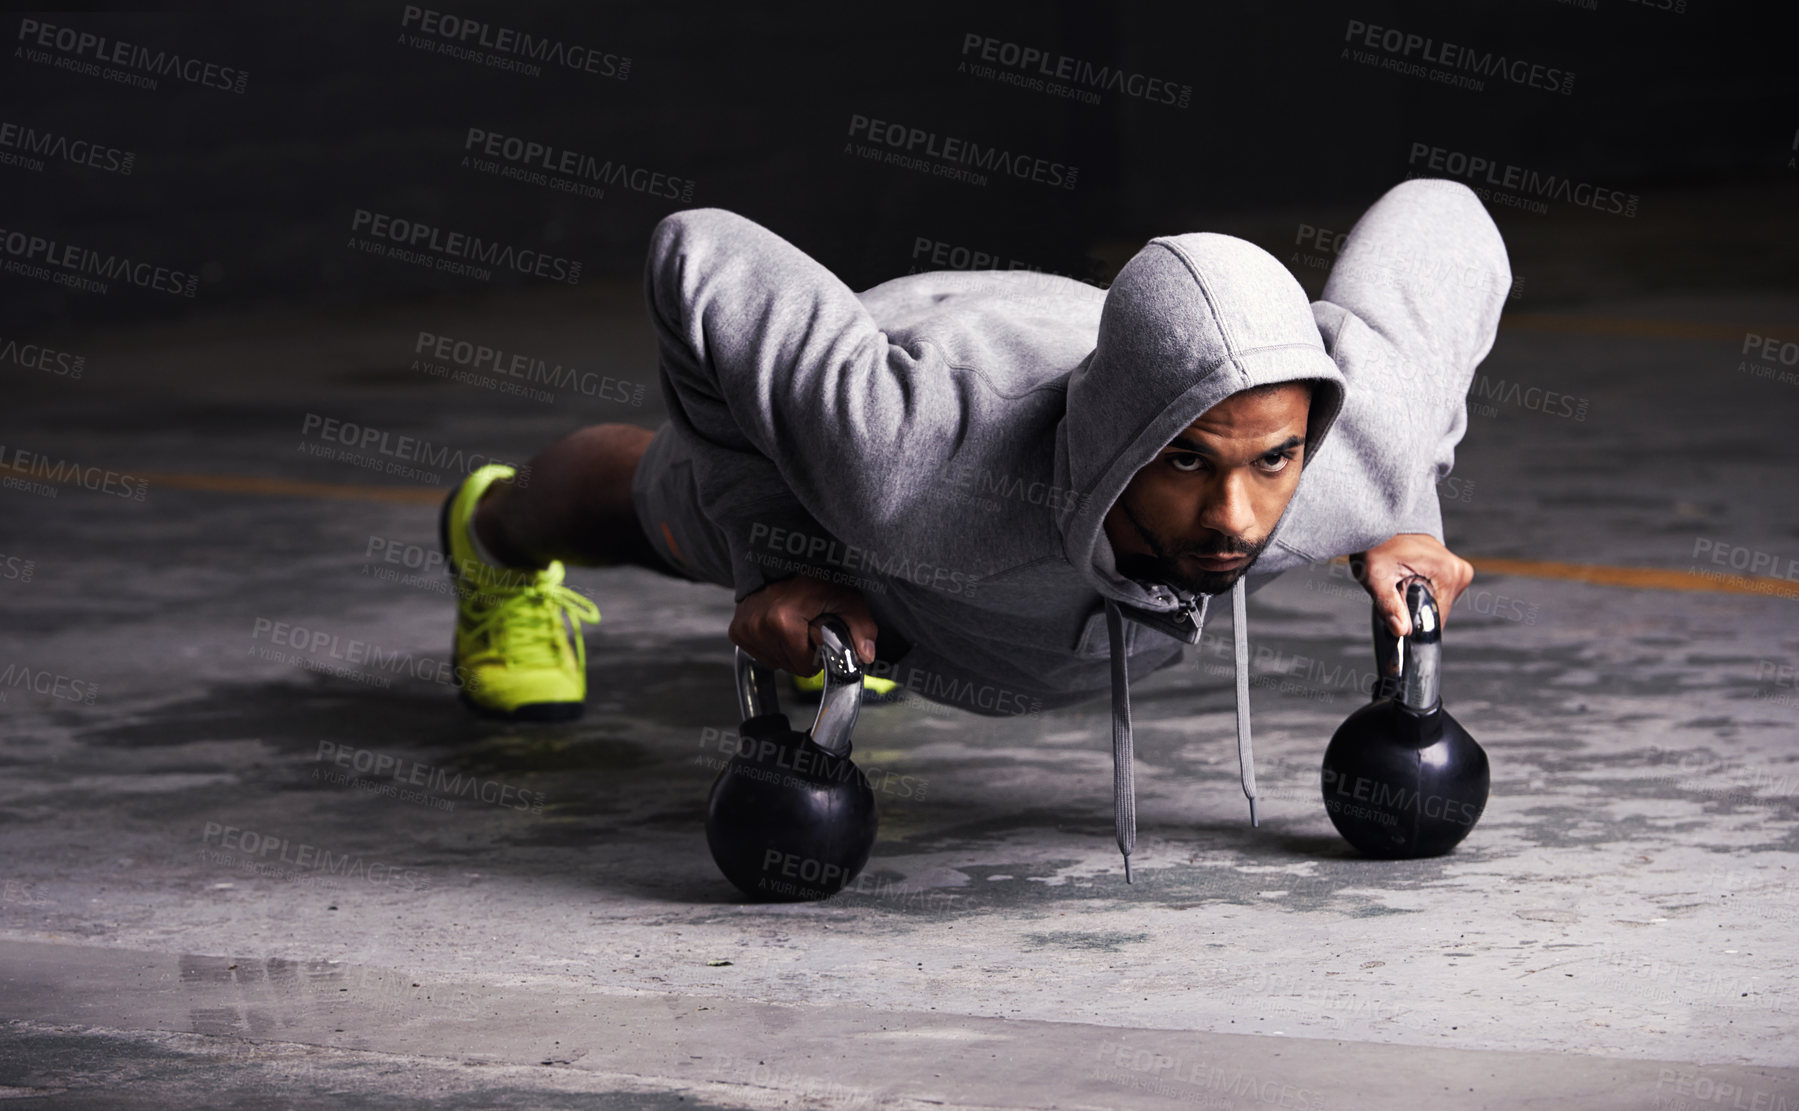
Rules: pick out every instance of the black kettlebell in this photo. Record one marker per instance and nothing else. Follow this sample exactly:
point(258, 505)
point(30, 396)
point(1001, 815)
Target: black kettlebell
point(1402, 778)
point(791, 817)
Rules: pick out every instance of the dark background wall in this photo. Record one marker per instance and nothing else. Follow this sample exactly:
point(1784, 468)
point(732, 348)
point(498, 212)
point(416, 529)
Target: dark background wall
point(255, 191)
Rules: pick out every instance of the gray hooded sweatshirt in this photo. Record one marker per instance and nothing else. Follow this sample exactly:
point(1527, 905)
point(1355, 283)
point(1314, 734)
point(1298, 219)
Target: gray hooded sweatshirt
point(950, 442)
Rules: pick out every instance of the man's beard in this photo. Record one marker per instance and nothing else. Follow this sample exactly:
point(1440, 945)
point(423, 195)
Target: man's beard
point(1166, 566)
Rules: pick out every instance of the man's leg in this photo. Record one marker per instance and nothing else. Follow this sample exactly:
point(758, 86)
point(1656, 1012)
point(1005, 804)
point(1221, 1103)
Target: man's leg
point(519, 650)
point(580, 508)
point(577, 508)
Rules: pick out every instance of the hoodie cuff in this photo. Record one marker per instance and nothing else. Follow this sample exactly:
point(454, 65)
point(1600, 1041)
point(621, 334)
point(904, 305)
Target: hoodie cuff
point(1424, 515)
point(768, 547)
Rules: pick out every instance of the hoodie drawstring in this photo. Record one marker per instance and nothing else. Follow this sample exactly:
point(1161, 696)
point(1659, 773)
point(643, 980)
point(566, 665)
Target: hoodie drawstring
point(1246, 753)
point(1124, 793)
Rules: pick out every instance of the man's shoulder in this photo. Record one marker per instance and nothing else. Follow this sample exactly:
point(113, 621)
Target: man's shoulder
point(938, 286)
point(1018, 330)
point(947, 301)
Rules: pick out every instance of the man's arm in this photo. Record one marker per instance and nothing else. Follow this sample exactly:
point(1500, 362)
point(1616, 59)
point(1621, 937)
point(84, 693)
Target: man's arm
point(1424, 273)
point(1410, 309)
point(806, 419)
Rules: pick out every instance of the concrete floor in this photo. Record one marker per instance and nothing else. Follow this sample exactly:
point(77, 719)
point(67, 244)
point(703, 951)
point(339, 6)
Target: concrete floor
point(1619, 931)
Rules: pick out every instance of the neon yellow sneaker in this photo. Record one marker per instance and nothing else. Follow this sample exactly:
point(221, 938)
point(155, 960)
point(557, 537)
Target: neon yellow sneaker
point(875, 691)
point(519, 652)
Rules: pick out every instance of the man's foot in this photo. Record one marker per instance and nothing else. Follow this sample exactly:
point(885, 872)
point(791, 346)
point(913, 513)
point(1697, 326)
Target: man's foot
point(519, 653)
point(875, 690)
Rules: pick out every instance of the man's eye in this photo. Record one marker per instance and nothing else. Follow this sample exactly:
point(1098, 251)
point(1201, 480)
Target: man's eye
point(1180, 459)
point(1275, 463)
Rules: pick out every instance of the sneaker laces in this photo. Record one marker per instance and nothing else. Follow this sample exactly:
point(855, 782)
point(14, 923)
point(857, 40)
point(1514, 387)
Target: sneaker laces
point(527, 627)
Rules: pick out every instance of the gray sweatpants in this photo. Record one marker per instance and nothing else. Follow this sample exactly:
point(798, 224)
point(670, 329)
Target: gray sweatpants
point(668, 505)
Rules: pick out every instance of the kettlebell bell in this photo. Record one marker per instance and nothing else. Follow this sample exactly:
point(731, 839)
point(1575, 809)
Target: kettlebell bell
point(1402, 778)
point(791, 817)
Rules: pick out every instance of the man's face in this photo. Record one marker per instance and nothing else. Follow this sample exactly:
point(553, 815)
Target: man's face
point(1198, 514)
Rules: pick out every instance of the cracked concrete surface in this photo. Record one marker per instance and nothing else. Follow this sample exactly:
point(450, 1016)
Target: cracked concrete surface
point(1619, 929)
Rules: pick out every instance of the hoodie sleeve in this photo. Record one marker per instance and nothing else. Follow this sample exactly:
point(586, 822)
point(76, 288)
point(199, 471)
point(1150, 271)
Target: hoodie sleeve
point(1410, 309)
point(800, 408)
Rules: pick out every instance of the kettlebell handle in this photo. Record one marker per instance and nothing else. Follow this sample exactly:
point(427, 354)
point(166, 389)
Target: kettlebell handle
point(837, 706)
point(1410, 667)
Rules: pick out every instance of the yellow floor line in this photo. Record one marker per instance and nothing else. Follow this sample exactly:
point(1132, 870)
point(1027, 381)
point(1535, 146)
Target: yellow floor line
point(252, 484)
point(1641, 578)
point(1630, 326)
point(256, 484)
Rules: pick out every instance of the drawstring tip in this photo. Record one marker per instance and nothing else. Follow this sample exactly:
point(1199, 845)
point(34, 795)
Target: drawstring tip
point(1127, 868)
point(1253, 819)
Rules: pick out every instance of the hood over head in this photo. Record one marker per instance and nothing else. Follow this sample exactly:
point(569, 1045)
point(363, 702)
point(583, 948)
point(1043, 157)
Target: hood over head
point(1190, 320)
